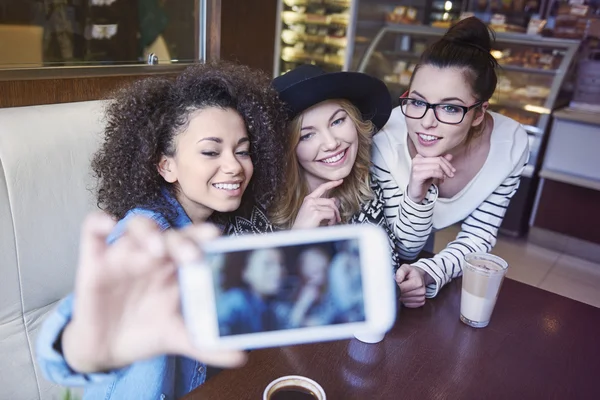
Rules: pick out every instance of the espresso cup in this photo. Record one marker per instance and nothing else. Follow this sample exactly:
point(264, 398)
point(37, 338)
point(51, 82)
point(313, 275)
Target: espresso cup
point(483, 275)
point(294, 387)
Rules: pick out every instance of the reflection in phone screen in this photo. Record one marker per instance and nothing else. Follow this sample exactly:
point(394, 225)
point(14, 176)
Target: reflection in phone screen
point(288, 287)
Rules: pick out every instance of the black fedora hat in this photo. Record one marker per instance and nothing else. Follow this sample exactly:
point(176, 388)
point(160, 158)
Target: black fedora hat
point(307, 85)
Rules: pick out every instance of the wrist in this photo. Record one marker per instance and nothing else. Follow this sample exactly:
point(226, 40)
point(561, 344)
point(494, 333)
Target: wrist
point(427, 279)
point(415, 199)
point(79, 358)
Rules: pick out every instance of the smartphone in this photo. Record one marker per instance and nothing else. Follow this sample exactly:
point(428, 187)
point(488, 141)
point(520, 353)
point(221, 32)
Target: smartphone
point(289, 287)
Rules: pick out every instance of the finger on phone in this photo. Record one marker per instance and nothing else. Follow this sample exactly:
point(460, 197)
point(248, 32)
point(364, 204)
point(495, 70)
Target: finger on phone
point(221, 358)
point(325, 187)
point(94, 232)
point(201, 233)
point(180, 343)
point(181, 248)
point(146, 234)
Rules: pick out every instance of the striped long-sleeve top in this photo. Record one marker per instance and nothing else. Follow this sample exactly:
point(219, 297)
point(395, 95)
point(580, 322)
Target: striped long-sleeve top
point(372, 212)
point(480, 205)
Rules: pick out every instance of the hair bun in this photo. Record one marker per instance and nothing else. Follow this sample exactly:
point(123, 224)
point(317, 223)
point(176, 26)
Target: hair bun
point(471, 31)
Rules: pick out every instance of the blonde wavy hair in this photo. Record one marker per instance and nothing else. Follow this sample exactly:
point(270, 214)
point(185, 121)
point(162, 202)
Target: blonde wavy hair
point(355, 189)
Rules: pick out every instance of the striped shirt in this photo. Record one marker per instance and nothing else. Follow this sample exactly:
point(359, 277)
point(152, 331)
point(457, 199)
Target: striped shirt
point(410, 222)
point(480, 205)
point(371, 212)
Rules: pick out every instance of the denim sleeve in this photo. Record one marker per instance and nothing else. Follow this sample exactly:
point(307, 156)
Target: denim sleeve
point(49, 352)
point(120, 227)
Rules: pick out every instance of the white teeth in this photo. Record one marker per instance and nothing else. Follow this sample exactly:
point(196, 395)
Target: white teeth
point(428, 138)
point(335, 158)
point(227, 186)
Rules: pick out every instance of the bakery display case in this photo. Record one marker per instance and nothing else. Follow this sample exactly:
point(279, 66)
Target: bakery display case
point(315, 32)
point(372, 15)
point(532, 72)
point(334, 34)
point(508, 15)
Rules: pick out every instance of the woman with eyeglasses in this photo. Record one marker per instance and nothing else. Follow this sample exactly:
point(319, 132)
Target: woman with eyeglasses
point(474, 157)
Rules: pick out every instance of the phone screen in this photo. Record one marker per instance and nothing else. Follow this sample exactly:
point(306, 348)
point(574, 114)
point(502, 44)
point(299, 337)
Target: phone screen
point(288, 287)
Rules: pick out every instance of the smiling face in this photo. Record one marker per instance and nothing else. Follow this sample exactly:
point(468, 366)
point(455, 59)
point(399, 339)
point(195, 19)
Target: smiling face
point(211, 167)
point(328, 143)
point(433, 85)
point(264, 271)
point(314, 264)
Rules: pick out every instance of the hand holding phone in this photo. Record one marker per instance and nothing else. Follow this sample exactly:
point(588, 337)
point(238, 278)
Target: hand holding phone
point(127, 303)
point(290, 287)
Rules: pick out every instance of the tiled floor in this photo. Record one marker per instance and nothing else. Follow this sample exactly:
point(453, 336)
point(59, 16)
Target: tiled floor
point(541, 267)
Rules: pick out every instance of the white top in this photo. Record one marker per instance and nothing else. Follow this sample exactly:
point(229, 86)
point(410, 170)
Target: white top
point(481, 204)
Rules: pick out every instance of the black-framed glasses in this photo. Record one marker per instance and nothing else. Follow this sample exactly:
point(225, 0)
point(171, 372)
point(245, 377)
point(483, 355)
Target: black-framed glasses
point(445, 113)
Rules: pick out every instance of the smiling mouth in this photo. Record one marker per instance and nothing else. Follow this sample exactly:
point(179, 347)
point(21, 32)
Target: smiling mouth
point(227, 186)
point(428, 138)
point(335, 158)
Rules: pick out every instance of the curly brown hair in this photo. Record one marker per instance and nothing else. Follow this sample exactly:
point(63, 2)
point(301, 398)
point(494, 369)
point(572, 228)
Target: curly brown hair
point(143, 119)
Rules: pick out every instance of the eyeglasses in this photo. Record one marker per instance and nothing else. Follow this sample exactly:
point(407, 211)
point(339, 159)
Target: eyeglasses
point(451, 114)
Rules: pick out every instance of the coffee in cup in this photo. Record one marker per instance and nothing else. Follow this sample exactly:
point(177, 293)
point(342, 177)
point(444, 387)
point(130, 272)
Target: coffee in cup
point(483, 275)
point(294, 387)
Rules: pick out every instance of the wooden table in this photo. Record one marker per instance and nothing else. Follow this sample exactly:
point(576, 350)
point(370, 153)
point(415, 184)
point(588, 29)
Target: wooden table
point(538, 346)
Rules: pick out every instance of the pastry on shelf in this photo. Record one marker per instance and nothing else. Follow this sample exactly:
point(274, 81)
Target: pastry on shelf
point(507, 28)
point(402, 15)
point(519, 116)
point(504, 85)
point(333, 3)
point(442, 24)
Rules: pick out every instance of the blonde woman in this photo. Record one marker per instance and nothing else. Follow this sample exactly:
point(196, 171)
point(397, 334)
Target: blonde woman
point(328, 179)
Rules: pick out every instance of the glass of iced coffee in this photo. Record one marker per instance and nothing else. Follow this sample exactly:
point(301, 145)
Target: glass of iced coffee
point(483, 274)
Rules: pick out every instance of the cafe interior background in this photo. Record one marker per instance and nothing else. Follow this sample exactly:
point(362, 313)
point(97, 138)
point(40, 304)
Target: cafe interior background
point(62, 51)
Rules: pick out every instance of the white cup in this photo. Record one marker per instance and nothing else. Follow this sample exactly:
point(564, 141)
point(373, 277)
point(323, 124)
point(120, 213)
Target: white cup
point(483, 274)
point(295, 382)
point(369, 337)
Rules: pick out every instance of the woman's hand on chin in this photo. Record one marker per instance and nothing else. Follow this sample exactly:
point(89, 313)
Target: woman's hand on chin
point(317, 209)
point(424, 171)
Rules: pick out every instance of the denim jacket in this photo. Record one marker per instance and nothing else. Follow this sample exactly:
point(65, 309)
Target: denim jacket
point(164, 377)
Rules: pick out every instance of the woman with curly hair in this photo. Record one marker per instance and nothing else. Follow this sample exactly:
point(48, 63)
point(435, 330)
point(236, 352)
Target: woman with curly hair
point(333, 117)
point(178, 152)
